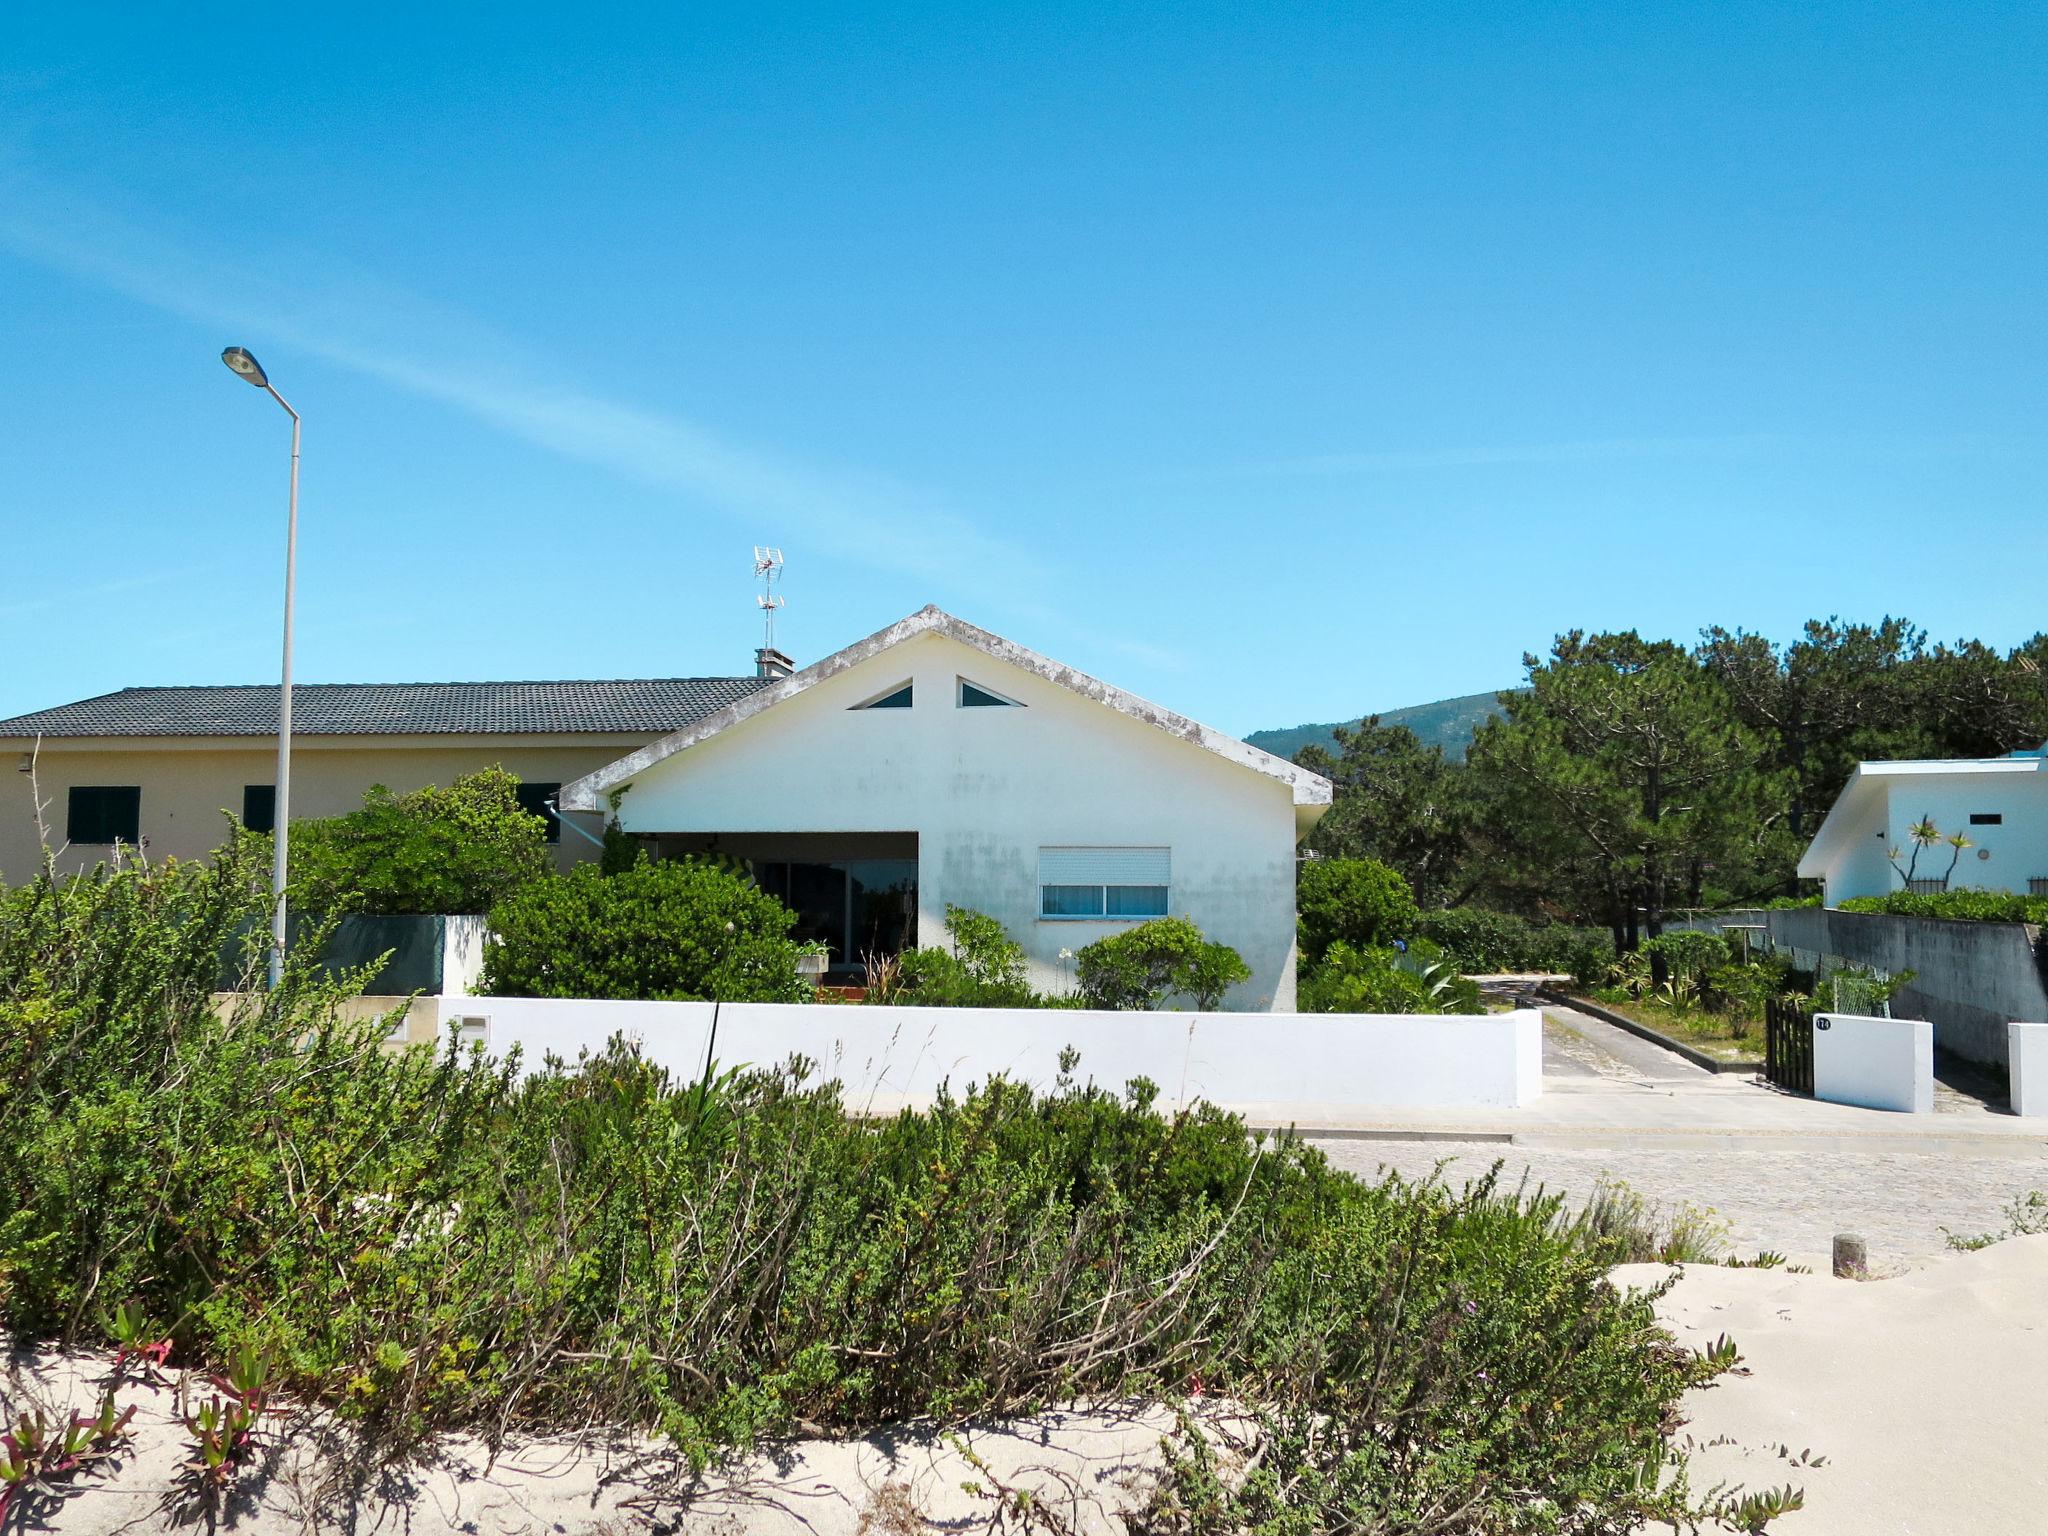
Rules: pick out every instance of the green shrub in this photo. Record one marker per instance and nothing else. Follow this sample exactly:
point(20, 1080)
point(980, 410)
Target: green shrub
point(1971, 906)
point(1688, 956)
point(1360, 902)
point(983, 969)
point(423, 1242)
point(1166, 957)
point(680, 928)
point(457, 850)
point(1381, 979)
point(1480, 941)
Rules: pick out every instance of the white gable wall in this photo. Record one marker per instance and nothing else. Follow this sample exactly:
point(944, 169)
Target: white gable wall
point(1860, 868)
point(2005, 856)
point(984, 789)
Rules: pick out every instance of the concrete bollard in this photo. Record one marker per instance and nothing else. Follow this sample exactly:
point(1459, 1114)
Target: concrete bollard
point(1852, 1257)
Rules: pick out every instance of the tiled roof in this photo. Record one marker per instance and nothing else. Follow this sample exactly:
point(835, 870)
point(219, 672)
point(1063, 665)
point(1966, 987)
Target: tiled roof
point(627, 706)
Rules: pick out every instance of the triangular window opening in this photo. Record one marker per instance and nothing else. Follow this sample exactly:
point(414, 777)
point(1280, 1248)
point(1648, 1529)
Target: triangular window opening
point(897, 698)
point(973, 696)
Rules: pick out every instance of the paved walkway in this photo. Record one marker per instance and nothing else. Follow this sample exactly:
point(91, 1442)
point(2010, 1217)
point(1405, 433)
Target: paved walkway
point(1781, 1172)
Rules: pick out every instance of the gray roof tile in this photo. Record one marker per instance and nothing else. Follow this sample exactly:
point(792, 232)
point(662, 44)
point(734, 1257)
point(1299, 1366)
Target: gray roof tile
point(625, 706)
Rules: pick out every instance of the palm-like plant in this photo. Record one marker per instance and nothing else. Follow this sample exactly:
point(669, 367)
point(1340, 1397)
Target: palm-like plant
point(1923, 835)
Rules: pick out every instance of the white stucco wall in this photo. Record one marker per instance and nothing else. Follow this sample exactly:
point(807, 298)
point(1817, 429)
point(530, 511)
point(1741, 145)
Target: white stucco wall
point(1304, 1069)
point(985, 789)
point(2005, 857)
point(1875, 1063)
point(1860, 867)
point(2027, 1069)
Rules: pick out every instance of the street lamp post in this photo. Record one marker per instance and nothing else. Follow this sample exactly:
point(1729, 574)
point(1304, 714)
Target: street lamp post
point(239, 359)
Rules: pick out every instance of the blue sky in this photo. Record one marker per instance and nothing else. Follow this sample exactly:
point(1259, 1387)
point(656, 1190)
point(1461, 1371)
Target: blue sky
point(1277, 363)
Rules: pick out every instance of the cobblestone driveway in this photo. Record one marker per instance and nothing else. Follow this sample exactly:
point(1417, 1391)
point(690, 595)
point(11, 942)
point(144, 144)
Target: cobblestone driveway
point(1792, 1201)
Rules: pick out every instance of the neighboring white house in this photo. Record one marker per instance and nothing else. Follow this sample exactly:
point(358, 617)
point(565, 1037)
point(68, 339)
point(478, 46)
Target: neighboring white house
point(934, 764)
point(1999, 803)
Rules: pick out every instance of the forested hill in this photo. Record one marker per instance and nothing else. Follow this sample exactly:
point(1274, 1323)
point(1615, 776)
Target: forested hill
point(1448, 722)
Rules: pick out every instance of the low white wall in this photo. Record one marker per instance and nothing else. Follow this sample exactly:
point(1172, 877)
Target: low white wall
point(2027, 1068)
point(1877, 1063)
point(1290, 1066)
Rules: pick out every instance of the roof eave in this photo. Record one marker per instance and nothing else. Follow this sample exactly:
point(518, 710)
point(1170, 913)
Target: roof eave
point(1308, 789)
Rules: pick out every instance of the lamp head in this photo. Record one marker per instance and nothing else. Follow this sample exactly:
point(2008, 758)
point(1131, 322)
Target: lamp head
point(245, 364)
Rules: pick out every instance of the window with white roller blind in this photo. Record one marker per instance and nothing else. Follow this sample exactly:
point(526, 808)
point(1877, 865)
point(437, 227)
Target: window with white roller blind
point(1097, 884)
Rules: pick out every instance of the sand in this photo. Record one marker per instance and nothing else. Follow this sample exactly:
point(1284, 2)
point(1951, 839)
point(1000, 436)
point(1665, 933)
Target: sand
point(1086, 1466)
point(1922, 1399)
point(1910, 1406)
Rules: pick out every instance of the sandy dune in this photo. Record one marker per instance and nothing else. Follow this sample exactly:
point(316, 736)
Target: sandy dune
point(1911, 1405)
point(1927, 1393)
point(1087, 1467)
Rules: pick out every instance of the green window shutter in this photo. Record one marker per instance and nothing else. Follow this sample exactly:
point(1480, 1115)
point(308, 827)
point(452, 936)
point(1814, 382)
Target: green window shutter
point(259, 807)
point(104, 814)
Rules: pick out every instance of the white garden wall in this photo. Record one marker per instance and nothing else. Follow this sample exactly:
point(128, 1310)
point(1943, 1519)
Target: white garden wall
point(2027, 1069)
point(1284, 1067)
point(1877, 1063)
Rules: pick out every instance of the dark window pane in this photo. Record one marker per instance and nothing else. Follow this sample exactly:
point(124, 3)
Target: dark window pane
point(972, 697)
point(104, 814)
point(534, 799)
point(1987, 818)
point(259, 807)
point(1070, 901)
point(1137, 900)
point(900, 699)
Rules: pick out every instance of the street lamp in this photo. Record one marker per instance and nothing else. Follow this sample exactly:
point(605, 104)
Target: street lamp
point(240, 360)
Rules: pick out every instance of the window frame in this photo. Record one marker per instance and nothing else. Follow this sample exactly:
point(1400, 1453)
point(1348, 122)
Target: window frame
point(552, 820)
point(102, 820)
point(990, 699)
point(883, 700)
point(1152, 898)
point(270, 810)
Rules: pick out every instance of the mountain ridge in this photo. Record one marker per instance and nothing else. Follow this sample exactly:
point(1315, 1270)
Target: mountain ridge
point(1448, 723)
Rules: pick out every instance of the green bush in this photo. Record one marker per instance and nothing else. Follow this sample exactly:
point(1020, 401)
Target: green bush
point(983, 969)
point(423, 1242)
point(1688, 956)
point(1970, 906)
point(1146, 964)
point(1381, 979)
point(1360, 902)
point(1482, 941)
point(457, 850)
point(680, 928)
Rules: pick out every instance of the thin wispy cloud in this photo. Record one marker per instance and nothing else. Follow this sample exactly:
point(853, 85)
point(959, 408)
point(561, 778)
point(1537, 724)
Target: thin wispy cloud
point(1588, 451)
point(360, 324)
point(1606, 450)
point(109, 591)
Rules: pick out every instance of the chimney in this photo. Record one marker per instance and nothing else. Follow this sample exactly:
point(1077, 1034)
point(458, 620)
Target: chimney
point(769, 662)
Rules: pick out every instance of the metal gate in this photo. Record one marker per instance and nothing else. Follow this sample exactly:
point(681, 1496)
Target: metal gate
point(1788, 1045)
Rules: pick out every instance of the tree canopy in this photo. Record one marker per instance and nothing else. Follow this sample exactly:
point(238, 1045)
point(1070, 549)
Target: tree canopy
point(1633, 777)
point(456, 850)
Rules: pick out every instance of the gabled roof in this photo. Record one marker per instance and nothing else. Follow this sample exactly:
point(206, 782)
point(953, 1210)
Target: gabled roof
point(627, 706)
point(1862, 797)
point(588, 792)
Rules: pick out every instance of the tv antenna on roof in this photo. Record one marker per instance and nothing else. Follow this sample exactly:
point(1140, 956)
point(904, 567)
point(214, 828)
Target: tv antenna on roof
point(767, 568)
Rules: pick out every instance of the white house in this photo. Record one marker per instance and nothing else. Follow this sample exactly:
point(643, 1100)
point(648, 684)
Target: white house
point(1999, 803)
point(932, 763)
point(936, 764)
